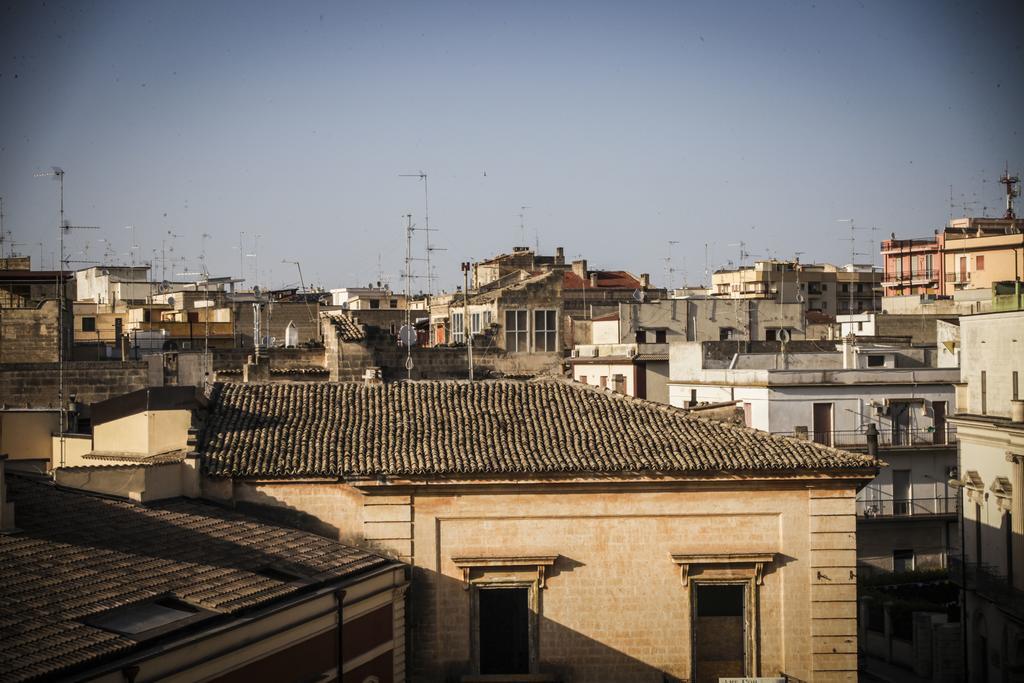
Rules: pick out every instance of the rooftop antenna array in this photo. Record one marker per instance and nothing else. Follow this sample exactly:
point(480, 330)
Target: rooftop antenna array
point(1012, 191)
point(63, 228)
point(302, 284)
point(426, 229)
point(852, 239)
point(669, 270)
point(4, 236)
point(522, 230)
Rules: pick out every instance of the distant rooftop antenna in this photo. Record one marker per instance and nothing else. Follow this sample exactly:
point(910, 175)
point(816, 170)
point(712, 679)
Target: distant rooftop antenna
point(669, 270)
point(522, 229)
point(426, 229)
point(1012, 191)
point(3, 235)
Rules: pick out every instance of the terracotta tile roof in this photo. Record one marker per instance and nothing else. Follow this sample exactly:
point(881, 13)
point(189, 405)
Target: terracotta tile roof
point(612, 279)
point(350, 330)
point(78, 555)
point(487, 427)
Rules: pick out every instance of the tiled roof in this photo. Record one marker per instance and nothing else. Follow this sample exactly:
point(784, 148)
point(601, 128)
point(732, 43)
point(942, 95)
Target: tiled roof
point(605, 279)
point(78, 555)
point(486, 427)
point(347, 327)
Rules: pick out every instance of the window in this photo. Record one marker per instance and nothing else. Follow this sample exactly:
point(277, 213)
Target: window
point(619, 384)
point(393, 303)
point(876, 361)
point(719, 632)
point(846, 288)
point(458, 328)
point(984, 393)
point(640, 337)
point(1014, 386)
point(860, 327)
point(979, 263)
point(902, 561)
point(771, 335)
point(88, 324)
point(487, 318)
point(516, 339)
point(504, 630)
point(474, 322)
point(374, 303)
point(583, 379)
point(603, 383)
point(725, 333)
point(660, 336)
point(141, 621)
point(928, 265)
point(901, 492)
point(545, 334)
point(860, 287)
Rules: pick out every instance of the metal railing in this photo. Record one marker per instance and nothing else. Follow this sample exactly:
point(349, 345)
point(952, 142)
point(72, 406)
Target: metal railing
point(887, 437)
point(988, 582)
point(907, 507)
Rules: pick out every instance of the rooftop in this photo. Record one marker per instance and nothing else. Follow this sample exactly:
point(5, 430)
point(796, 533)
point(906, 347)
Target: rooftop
point(79, 556)
point(480, 428)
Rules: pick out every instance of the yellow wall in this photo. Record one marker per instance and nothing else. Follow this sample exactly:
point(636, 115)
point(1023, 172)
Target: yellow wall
point(75, 446)
point(27, 435)
point(125, 435)
point(168, 430)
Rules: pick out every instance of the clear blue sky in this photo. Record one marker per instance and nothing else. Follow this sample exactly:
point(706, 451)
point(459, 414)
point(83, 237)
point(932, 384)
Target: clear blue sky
point(622, 125)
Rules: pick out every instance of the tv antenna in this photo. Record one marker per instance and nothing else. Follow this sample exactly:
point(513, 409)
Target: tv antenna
point(302, 283)
point(669, 270)
point(744, 254)
point(1012, 191)
point(4, 235)
point(852, 239)
point(426, 229)
point(63, 228)
point(522, 230)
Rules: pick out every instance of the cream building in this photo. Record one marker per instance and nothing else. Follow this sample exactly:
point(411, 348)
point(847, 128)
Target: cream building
point(990, 423)
point(563, 533)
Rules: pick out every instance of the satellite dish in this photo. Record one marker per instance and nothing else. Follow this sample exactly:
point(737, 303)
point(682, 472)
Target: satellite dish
point(407, 335)
point(170, 301)
point(256, 290)
point(164, 287)
point(638, 296)
point(800, 298)
point(784, 335)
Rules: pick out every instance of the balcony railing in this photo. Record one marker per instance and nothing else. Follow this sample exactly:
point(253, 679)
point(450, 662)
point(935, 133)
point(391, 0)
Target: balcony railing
point(898, 507)
point(958, 277)
point(988, 582)
point(887, 438)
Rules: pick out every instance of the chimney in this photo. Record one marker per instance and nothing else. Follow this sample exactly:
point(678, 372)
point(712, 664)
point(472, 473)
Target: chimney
point(580, 268)
point(872, 437)
point(1016, 411)
point(593, 279)
point(645, 280)
point(559, 256)
point(6, 509)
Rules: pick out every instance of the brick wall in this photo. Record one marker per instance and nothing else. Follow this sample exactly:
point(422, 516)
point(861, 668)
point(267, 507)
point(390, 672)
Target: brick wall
point(29, 335)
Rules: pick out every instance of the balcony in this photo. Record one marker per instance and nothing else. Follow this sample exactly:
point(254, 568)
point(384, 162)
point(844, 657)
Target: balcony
point(887, 438)
point(987, 582)
point(895, 507)
point(958, 278)
point(908, 278)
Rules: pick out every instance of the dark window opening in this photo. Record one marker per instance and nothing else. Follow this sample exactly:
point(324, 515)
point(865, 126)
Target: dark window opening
point(902, 561)
point(504, 631)
point(374, 303)
point(1008, 521)
point(660, 336)
point(977, 534)
point(876, 361)
point(641, 337)
point(719, 642)
point(771, 335)
point(88, 324)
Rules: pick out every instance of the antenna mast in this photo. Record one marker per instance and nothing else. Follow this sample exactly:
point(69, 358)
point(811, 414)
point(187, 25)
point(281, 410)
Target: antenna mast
point(426, 228)
point(1012, 192)
point(669, 270)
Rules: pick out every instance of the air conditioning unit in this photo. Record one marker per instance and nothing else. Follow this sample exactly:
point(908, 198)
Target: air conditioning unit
point(575, 353)
point(631, 352)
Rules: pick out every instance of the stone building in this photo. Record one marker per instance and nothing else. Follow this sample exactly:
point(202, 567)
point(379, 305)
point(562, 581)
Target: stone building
point(558, 532)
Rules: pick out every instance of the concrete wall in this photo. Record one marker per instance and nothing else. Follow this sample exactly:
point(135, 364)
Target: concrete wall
point(612, 546)
point(992, 343)
point(26, 435)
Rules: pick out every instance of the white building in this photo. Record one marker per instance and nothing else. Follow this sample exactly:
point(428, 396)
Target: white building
point(832, 397)
point(990, 423)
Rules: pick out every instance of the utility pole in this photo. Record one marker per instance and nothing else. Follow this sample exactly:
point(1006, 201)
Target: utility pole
point(466, 329)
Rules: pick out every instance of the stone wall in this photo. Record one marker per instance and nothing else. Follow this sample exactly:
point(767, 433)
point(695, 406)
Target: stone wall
point(36, 384)
point(29, 335)
point(613, 606)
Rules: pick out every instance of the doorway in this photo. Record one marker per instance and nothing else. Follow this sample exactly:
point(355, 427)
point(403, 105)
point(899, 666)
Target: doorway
point(939, 421)
point(822, 423)
point(720, 637)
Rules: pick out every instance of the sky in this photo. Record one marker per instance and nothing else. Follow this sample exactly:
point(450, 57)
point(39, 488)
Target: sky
point(631, 131)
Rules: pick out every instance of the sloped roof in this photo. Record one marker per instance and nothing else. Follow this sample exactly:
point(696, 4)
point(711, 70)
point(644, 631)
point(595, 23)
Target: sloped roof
point(347, 327)
point(472, 428)
point(78, 555)
point(606, 279)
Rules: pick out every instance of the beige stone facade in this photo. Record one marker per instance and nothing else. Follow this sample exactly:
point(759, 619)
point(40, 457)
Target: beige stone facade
point(612, 603)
